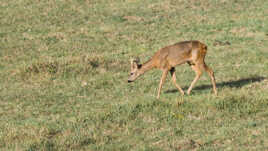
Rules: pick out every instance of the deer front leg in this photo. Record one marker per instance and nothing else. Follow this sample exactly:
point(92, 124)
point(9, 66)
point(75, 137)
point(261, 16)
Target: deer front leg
point(172, 72)
point(163, 78)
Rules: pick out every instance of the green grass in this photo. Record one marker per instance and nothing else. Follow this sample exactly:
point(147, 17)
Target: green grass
point(64, 68)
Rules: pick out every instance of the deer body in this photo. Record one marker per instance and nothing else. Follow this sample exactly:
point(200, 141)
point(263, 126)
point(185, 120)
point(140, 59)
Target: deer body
point(191, 52)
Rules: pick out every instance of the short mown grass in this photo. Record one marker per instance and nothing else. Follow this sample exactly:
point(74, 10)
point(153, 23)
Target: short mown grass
point(64, 68)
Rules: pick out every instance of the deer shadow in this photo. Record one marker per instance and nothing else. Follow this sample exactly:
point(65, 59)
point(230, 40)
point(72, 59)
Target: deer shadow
point(231, 84)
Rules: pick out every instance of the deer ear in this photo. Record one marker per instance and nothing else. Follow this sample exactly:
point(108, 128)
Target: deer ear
point(133, 63)
point(137, 60)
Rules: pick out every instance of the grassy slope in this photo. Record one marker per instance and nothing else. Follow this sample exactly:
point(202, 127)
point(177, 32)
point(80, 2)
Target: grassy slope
point(64, 66)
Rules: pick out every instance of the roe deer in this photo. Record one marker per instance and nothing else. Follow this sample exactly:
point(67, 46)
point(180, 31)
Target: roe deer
point(192, 52)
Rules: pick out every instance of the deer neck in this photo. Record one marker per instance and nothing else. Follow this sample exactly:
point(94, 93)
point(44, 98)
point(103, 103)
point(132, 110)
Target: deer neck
point(147, 66)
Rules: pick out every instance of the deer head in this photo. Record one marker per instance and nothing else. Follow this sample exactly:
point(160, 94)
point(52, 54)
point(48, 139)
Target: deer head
point(135, 68)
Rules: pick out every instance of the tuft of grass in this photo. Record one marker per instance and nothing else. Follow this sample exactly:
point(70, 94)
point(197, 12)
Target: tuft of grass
point(241, 105)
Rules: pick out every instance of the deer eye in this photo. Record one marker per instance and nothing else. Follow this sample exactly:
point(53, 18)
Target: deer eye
point(131, 73)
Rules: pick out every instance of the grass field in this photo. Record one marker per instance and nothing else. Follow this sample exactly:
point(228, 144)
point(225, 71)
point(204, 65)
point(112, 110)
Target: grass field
point(65, 63)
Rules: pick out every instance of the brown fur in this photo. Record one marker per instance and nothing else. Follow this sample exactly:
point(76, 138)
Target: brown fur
point(192, 52)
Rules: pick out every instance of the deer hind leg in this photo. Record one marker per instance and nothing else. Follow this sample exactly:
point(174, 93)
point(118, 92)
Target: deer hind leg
point(172, 72)
point(163, 78)
point(212, 77)
point(198, 71)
